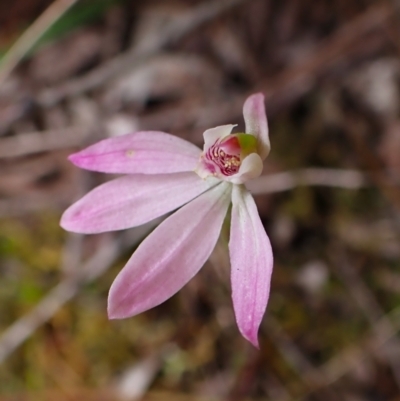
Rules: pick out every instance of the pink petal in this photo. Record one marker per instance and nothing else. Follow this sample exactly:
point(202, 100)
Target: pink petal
point(132, 200)
point(251, 167)
point(213, 134)
point(251, 264)
point(169, 257)
point(256, 122)
point(146, 152)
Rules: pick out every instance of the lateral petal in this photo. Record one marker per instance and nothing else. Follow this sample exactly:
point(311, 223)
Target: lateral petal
point(256, 122)
point(169, 257)
point(147, 152)
point(132, 200)
point(251, 264)
point(213, 134)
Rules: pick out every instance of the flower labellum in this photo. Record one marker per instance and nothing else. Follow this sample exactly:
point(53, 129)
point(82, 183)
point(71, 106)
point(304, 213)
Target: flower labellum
point(164, 173)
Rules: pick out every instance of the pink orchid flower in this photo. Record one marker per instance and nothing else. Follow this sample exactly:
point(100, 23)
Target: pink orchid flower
point(164, 173)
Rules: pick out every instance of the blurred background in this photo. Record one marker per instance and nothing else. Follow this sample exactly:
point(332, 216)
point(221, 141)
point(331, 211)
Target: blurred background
point(73, 72)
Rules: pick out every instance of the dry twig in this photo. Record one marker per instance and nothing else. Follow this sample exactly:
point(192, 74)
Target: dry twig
point(371, 310)
point(35, 142)
point(104, 257)
point(294, 81)
point(351, 357)
point(31, 36)
point(278, 182)
point(313, 378)
point(171, 32)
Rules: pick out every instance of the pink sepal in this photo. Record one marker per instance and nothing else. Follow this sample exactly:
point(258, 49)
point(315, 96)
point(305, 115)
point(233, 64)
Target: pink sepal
point(147, 152)
point(132, 200)
point(251, 264)
point(169, 257)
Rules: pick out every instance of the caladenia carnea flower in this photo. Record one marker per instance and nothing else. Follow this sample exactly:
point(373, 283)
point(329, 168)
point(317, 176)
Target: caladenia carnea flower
point(163, 173)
